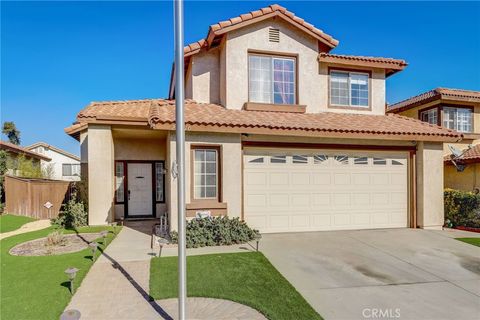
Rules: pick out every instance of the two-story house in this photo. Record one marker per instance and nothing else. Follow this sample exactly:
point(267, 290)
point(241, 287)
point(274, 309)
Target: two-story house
point(458, 110)
point(280, 133)
point(62, 164)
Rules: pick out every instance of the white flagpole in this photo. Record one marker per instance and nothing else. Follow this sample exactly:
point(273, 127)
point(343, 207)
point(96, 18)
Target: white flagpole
point(180, 135)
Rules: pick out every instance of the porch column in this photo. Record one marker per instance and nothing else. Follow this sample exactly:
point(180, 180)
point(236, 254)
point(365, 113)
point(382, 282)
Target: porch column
point(430, 213)
point(100, 175)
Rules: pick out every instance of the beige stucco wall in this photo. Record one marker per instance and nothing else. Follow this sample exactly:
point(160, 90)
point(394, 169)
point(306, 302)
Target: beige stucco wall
point(100, 169)
point(231, 155)
point(139, 149)
point(430, 214)
point(204, 77)
point(467, 180)
point(221, 75)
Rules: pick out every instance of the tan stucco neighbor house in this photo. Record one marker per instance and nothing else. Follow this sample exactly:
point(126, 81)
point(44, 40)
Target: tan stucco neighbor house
point(455, 109)
point(281, 133)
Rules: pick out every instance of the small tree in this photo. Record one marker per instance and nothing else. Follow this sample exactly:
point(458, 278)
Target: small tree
point(10, 130)
point(48, 171)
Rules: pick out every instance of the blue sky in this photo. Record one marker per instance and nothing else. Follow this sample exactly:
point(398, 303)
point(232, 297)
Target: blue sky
point(56, 57)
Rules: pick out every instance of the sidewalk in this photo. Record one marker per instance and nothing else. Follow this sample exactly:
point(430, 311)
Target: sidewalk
point(27, 227)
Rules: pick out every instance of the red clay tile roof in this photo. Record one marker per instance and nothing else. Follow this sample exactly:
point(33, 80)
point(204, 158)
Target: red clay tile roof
point(21, 150)
point(392, 65)
point(472, 154)
point(258, 15)
point(346, 124)
point(160, 113)
point(114, 110)
point(435, 94)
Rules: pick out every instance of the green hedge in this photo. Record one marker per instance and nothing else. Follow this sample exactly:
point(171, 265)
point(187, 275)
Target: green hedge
point(216, 231)
point(462, 208)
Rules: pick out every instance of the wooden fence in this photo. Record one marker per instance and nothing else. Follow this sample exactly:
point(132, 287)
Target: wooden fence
point(28, 196)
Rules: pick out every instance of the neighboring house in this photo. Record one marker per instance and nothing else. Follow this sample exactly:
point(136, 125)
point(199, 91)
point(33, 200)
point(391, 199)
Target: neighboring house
point(453, 109)
point(14, 151)
point(280, 133)
point(63, 165)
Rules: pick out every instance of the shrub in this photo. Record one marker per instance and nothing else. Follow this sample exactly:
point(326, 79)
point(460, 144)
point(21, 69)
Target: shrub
point(55, 238)
point(216, 231)
point(73, 214)
point(462, 208)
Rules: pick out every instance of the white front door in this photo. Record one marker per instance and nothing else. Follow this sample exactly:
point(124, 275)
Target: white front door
point(306, 190)
point(140, 189)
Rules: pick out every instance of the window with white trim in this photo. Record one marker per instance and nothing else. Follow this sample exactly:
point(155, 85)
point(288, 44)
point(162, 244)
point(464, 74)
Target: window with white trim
point(205, 180)
point(349, 89)
point(159, 172)
point(430, 116)
point(119, 182)
point(459, 119)
point(70, 169)
point(272, 79)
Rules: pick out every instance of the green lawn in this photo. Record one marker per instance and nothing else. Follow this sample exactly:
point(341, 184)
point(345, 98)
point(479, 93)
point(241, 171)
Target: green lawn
point(247, 278)
point(473, 241)
point(37, 287)
point(9, 222)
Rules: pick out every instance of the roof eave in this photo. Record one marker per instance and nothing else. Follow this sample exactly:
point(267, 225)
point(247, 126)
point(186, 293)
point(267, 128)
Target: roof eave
point(154, 124)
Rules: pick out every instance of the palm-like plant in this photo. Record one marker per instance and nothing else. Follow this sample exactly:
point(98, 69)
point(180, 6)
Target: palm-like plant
point(10, 130)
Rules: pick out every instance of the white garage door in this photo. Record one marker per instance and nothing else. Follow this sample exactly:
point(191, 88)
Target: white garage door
point(295, 190)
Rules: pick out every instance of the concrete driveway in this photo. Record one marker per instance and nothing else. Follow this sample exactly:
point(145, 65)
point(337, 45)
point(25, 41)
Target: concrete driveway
point(381, 274)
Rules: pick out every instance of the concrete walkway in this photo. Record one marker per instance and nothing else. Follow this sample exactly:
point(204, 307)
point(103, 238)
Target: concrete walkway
point(117, 285)
point(27, 227)
point(403, 273)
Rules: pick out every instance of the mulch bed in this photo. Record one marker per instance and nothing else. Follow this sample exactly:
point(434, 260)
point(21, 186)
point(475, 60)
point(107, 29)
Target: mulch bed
point(71, 243)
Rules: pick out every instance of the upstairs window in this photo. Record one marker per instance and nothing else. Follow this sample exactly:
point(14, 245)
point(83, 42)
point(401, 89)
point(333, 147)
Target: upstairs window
point(70, 169)
point(459, 119)
point(272, 79)
point(349, 89)
point(430, 116)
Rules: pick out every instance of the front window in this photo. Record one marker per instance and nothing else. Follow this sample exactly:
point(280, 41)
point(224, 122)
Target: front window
point(272, 79)
point(349, 89)
point(459, 119)
point(70, 169)
point(119, 182)
point(205, 179)
point(430, 116)
point(159, 172)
